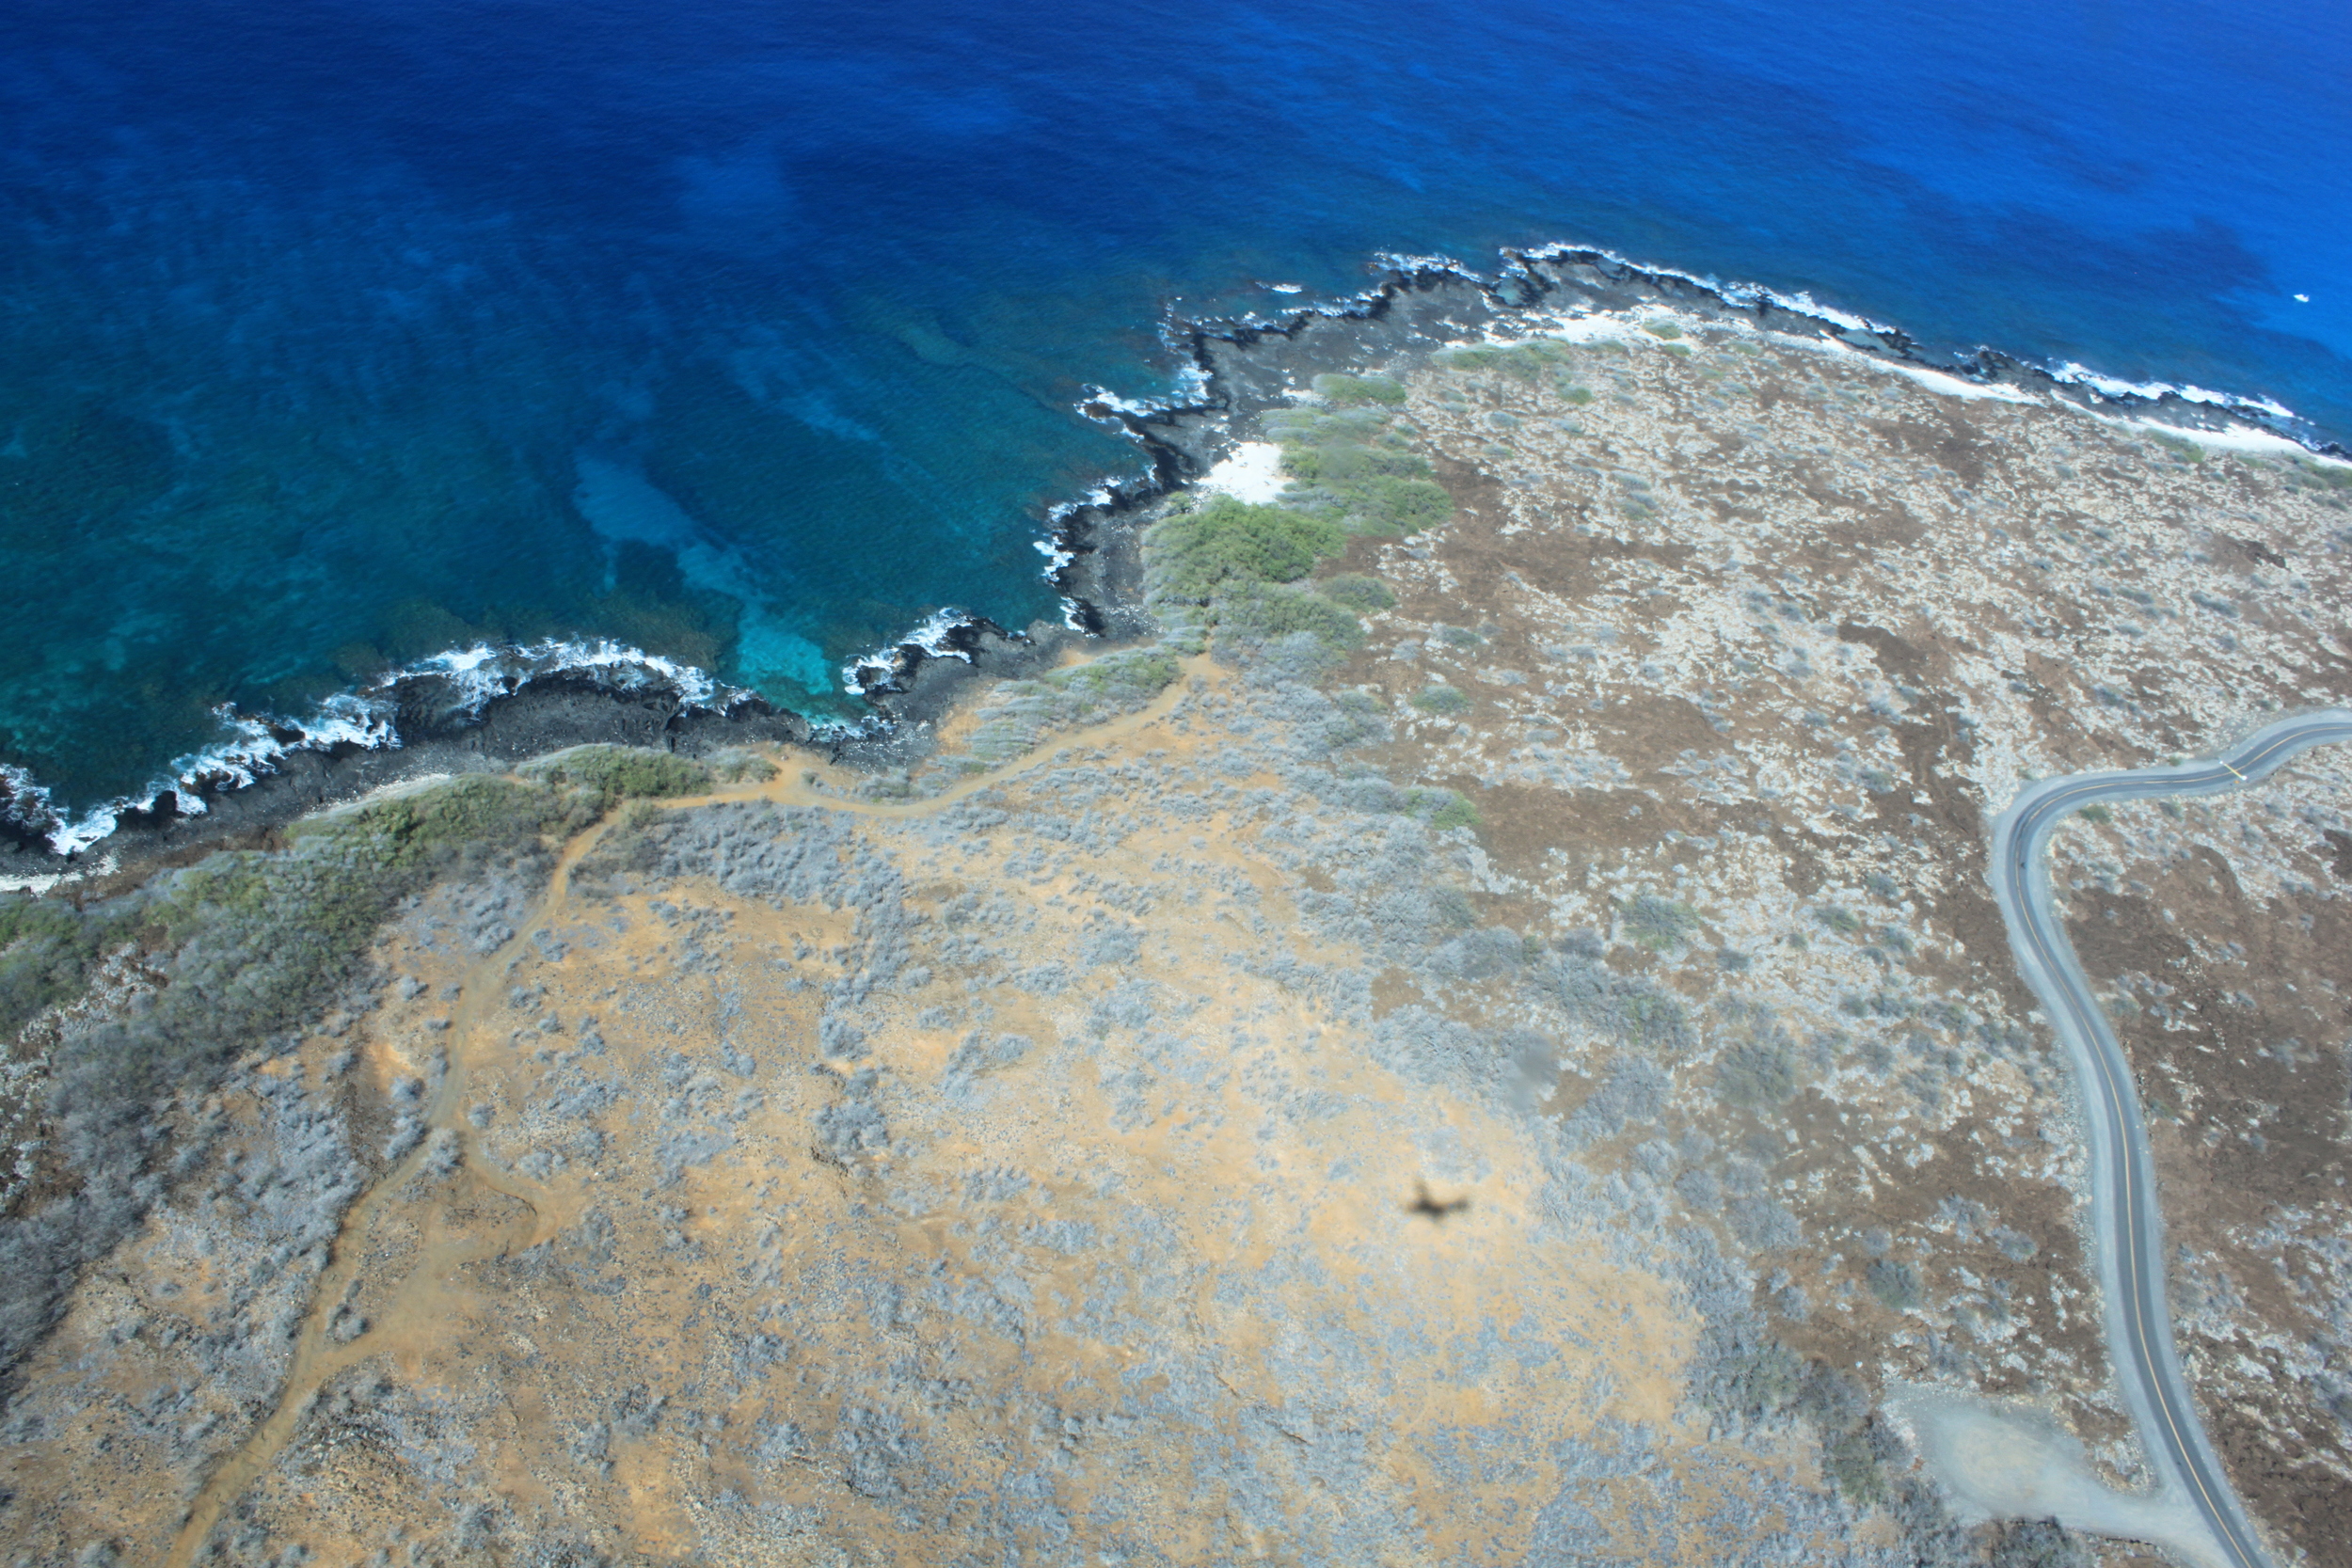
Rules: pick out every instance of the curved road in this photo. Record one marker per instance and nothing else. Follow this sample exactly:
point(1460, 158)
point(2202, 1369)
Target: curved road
point(2124, 1220)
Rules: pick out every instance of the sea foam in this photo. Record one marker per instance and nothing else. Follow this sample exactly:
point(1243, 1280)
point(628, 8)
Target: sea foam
point(467, 680)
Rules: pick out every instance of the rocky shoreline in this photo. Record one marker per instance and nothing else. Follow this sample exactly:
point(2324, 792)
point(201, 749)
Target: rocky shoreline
point(1492, 1012)
point(1245, 367)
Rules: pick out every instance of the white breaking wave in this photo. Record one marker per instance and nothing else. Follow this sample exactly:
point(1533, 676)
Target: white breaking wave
point(475, 678)
point(1748, 295)
point(2115, 387)
point(932, 637)
point(484, 673)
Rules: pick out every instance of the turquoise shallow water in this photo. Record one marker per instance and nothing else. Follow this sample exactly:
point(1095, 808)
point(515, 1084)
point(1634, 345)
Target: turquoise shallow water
point(748, 335)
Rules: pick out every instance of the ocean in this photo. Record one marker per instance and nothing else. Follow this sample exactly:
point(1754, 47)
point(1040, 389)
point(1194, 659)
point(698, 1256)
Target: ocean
point(358, 333)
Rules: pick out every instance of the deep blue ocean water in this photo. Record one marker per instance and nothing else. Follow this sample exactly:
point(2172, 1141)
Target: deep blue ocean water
point(344, 332)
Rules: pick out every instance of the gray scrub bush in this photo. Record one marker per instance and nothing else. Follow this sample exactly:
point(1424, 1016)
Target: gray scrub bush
point(1444, 701)
point(1896, 1284)
point(1758, 1067)
point(1658, 924)
point(48, 948)
point(1358, 593)
point(253, 946)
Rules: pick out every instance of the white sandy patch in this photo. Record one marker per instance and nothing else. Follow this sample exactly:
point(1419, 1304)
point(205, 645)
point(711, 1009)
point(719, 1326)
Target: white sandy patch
point(1957, 387)
point(1252, 471)
point(39, 886)
point(1934, 380)
point(380, 794)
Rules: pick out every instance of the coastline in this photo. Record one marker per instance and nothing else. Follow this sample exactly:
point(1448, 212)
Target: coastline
point(1631, 817)
point(466, 710)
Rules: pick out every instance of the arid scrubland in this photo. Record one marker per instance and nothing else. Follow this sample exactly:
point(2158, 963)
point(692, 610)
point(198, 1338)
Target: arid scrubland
point(1482, 1038)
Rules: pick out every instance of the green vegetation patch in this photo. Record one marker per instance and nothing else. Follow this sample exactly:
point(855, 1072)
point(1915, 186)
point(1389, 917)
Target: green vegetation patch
point(1358, 593)
point(1384, 503)
point(48, 948)
point(253, 947)
point(1896, 1284)
point(1758, 1072)
point(1266, 612)
point(1228, 544)
point(736, 765)
point(1852, 1466)
point(2316, 475)
point(1021, 713)
point(1526, 361)
point(1353, 468)
point(1758, 1381)
point(1441, 700)
point(610, 774)
point(1239, 560)
point(1441, 808)
point(1348, 390)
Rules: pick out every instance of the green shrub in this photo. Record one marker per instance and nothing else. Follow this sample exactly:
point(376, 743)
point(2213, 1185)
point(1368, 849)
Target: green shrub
point(1389, 504)
point(1661, 329)
point(1441, 808)
point(1520, 361)
point(1227, 542)
point(1852, 1464)
point(1359, 389)
point(1268, 612)
point(1021, 713)
point(1456, 813)
point(2095, 813)
point(1577, 395)
point(610, 774)
point(1131, 675)
point(48, 948)
point(1441, 700)
point(1328, 427)
point(1756, 1072)
point(1843, 921)
point(1341, 463)
point(254, 946)
point(738, 765)
point(1896, 1284)
point(406, 830)
point(1763, 1381)
point(1658, 923)
point(1360, 594)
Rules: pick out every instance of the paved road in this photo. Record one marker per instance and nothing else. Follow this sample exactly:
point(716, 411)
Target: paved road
point(2124, 1220)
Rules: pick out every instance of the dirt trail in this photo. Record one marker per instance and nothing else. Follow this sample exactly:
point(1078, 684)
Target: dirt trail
point(317, 1356)
point(1200, 673)
point(548, 1208)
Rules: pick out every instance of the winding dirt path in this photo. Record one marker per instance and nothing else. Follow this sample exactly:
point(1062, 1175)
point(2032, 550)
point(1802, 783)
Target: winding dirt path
point(548, 1209)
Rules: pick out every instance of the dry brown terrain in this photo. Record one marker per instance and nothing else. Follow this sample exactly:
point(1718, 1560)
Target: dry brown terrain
point(1521, 1088)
